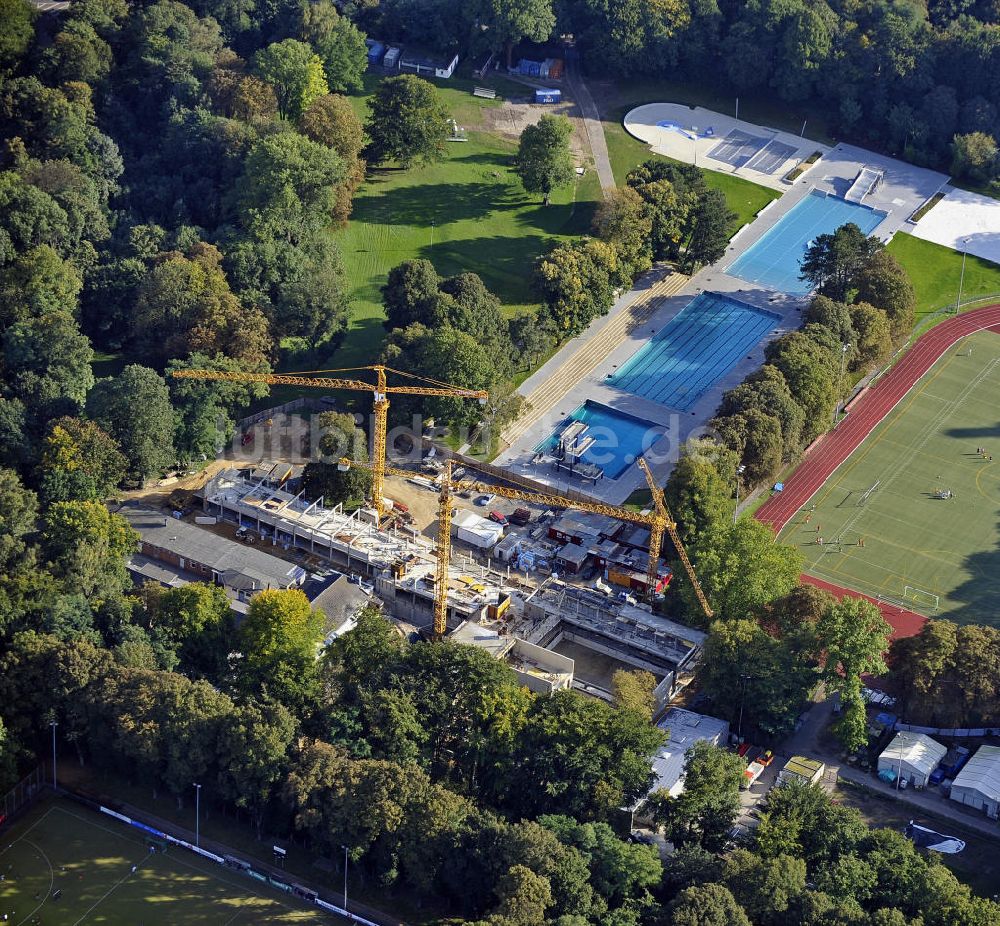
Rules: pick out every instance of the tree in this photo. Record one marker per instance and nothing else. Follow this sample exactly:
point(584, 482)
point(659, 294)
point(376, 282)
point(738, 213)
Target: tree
point(279, 638)
point(253, 751)
point(623, 221)
point(18, 31)
point(361, 654)
point(765, 888)
point(196, 621)
point(756, 437)
point(510, 21)
point(883, 283)
point(410, 294)
point(295, 72)
point(855, 637)
point(741, 568)
point(289, 187)
point(524, 898)
point(873, 336)
point(754, 679)
point(833, 263)
point(577, 281)
point(80, 462)
point(446, 355)
point(408, 122)
point(8, 758)
point(339, 43)
point(88, 547)
point(340, 437)
point(38, 282)
point(77, 53)
point(811, 372)
point(185, 306)
point(544, 162)
point(18, 511)
point(671, 196)
point(331, 120)
point(706, 905)
point(709, 239)
point(767, 391)
point(704, 812)
point(699, 491)
point(633, 691)
point(974, 156)
point(134, 408)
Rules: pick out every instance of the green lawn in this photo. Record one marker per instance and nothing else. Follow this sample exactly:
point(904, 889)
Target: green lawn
point(745, 198)
point(64, 863)
point(941, 556)
point(468, 212)
point(935, 271)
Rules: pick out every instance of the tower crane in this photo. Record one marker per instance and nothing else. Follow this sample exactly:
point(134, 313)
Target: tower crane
point(657, 522)
point(663, 521)
point(379, 389)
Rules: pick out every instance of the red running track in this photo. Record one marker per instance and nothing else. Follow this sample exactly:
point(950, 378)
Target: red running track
point(867, 412)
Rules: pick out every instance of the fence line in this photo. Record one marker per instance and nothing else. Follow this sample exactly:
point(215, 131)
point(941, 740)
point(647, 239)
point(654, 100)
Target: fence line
point(312, 403)
point(948, 731)
point(23, 795)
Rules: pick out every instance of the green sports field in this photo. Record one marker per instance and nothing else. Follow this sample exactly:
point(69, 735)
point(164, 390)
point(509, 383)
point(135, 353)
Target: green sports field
point(64, 864)
point(939, 556)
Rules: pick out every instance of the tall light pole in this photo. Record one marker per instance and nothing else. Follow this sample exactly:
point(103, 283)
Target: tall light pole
point(743, 694)
point(739, 472)
point(197, 815)
point(961, 278)
point(345, 876)
point(53, 724)
point(844, 348)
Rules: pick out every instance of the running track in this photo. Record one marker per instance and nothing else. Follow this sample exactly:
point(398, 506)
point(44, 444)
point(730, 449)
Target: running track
point(866, 413)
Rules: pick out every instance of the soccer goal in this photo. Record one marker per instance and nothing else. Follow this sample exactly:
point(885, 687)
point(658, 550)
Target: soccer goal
point(919, 596)
point(867, 494)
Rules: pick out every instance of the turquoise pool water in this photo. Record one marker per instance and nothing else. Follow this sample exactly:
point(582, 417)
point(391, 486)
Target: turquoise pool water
point(619, 439)
point(774, 260)
point(698, 347)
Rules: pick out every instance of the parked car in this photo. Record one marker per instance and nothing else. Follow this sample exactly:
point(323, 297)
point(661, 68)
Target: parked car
point(484, 500)
point(498, 516)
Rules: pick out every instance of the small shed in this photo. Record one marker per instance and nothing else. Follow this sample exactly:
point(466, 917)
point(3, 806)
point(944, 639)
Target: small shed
point(978, 784)
point(546, 95)
point(376, 50)
point(912, 756)
point(571, 558)
point(391, 59)
point(801, 768)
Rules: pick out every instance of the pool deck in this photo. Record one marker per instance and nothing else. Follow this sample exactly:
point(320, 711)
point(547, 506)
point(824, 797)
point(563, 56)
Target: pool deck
point(904, 189)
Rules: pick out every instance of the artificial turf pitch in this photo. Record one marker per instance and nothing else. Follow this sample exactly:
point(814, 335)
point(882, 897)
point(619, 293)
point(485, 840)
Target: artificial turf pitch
point(938, 556)
point(61, 846)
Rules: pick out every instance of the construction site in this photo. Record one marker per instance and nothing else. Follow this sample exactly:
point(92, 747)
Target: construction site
point(482, 555)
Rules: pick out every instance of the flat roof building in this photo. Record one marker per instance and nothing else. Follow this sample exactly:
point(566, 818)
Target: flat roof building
point(978, 784)
point(173, 552)
point(801, 768)
point(685, 728)
point(912, 756)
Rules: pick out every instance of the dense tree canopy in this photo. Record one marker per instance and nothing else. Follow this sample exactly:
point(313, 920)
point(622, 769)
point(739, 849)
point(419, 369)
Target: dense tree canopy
point(408, 123)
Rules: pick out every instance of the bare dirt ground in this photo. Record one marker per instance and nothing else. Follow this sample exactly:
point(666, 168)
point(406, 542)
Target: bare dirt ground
point(511, 119)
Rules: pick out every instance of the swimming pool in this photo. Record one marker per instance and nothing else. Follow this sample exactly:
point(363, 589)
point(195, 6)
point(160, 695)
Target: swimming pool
point(619, 439)
point(690, 354)
point(774, 260)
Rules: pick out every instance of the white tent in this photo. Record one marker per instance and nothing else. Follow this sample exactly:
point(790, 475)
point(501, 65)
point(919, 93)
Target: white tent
point(978, 784)
point(912, 756)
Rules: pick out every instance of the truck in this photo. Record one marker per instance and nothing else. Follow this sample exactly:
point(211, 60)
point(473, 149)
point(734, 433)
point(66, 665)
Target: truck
point(950, 765)
point(757, 760)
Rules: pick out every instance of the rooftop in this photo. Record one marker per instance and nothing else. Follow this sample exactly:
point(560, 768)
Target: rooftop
point(237, 563)
point(982, 773)
point(685, 728)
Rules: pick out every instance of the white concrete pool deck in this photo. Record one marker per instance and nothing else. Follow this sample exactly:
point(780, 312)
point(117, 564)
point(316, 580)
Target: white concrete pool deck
point(964, 221)
point(904, 189)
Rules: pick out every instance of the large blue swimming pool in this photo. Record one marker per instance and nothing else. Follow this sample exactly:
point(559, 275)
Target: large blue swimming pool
point(619, 439)
point(774, 260)
point(699, 346)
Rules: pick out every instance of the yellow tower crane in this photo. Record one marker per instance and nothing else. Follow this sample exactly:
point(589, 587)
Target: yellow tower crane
point(379, 389)
point(663, 521)
point(657, 522)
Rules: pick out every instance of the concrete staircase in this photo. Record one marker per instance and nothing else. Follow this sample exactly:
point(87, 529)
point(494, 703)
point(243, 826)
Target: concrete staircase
point(589, 355)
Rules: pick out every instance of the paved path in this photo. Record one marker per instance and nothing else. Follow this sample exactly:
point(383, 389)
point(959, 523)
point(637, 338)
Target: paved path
point(591, 116)
point(592, 351)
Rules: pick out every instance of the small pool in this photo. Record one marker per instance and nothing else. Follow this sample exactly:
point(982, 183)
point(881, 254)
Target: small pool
point(619, 439)
point(774, 260)
point(693, 351)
